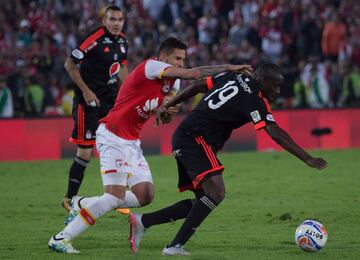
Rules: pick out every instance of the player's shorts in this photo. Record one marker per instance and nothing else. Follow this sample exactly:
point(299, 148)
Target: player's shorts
point(121, 161)
point(195, 158)
point(86, 121)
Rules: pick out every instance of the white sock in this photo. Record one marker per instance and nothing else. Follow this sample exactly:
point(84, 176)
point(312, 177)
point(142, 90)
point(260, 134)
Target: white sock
point(87, 216)
point(130, 201)
point(85, 201)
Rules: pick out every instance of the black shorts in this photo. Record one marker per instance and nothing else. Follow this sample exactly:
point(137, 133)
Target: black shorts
point(86, 121)
point(195, 158)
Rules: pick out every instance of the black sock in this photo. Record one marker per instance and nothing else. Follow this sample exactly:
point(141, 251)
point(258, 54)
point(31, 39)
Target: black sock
point(196, 216)
point(174, 212)
point(76, 176)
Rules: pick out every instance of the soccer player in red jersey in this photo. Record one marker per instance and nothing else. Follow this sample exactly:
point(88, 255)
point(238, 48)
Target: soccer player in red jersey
point(122, 163)
point(231, 101)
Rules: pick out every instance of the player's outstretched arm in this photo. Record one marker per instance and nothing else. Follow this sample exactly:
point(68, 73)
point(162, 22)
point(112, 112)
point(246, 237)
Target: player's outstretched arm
point(204, 71)
point(281, 137)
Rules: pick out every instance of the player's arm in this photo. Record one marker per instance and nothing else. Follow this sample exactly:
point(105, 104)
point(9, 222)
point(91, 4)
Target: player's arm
point(74, 74)
point(202, 72)
point(170, 105)
point(281, 137)
point(124, 71)
point(199, 86)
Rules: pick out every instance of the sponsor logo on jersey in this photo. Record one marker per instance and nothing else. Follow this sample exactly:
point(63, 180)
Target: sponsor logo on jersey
point(270, 117)
point(77, 54)
point(255, 115)
point(90, 47)
point(113, 72)
point(243, 84)
point(149, 106)
point(107, 40)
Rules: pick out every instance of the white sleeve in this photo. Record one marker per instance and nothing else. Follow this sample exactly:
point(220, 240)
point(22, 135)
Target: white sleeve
point(155, 69)
point(175, 88)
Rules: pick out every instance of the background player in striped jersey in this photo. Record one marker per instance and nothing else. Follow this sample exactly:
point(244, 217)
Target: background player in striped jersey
point(232, 100)
point(153, 82)
point(101, 57)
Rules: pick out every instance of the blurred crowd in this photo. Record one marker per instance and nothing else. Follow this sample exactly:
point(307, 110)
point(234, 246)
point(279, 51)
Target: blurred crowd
point(316, 42)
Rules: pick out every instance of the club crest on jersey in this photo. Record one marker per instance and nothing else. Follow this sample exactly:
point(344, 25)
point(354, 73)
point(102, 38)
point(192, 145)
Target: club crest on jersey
point(113, 72)
point(122, 48)
point(88, 134)
point(118, 162)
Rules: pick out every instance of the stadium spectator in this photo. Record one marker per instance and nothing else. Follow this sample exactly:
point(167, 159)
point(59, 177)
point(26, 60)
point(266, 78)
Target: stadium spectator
point(34, 97)
point(6, 102)
point(102, 55)
point(318, 89)
point(350, 95)
point(333, 37)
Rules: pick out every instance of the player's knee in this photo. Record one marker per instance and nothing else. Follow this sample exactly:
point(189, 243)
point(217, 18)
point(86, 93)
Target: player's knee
point(84, 153)
point(217, 195)
point(145, 198)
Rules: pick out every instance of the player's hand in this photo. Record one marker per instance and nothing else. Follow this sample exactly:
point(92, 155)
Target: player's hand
point(91, 99)
point(246, 69)
point(318, 163)
point(164, 115)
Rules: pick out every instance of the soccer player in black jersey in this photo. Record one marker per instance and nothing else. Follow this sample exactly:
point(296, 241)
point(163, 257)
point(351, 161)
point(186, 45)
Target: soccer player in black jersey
point(231, 101)
point(101, 59)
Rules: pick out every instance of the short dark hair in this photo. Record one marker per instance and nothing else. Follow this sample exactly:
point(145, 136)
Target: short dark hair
point(171, 43)
point(113, 8)
point(267, 70)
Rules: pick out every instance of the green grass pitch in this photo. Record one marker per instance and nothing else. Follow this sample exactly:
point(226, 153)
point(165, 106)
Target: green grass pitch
point(260, 187)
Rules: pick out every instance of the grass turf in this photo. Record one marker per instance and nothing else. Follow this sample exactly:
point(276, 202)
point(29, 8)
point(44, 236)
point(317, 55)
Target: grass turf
point(261, 187)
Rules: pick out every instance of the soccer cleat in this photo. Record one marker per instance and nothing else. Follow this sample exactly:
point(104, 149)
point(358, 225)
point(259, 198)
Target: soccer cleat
point(137, 230)
point(66, 204)
point(175, 250)
point(75, 208)
point(123, 211)
point(62, 245)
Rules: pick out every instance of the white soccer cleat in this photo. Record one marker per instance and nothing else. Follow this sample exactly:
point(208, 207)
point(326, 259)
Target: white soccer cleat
point(62, 245)
point(75, 208)
point(175, 250)
point(137, 230)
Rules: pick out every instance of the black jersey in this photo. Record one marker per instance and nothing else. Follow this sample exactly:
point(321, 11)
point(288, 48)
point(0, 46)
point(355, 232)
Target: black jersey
point(232, 101)
point(100, 56)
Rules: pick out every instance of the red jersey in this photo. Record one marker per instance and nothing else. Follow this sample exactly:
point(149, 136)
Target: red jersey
point(140, 94)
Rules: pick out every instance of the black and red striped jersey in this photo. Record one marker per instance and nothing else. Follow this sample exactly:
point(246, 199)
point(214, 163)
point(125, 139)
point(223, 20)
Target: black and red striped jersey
point(232, 101)
point(100, 55)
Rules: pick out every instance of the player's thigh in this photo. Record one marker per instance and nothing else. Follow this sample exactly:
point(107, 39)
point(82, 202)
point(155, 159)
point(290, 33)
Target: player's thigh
point(85, 124)
point(197, 160)
point(113, 157)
